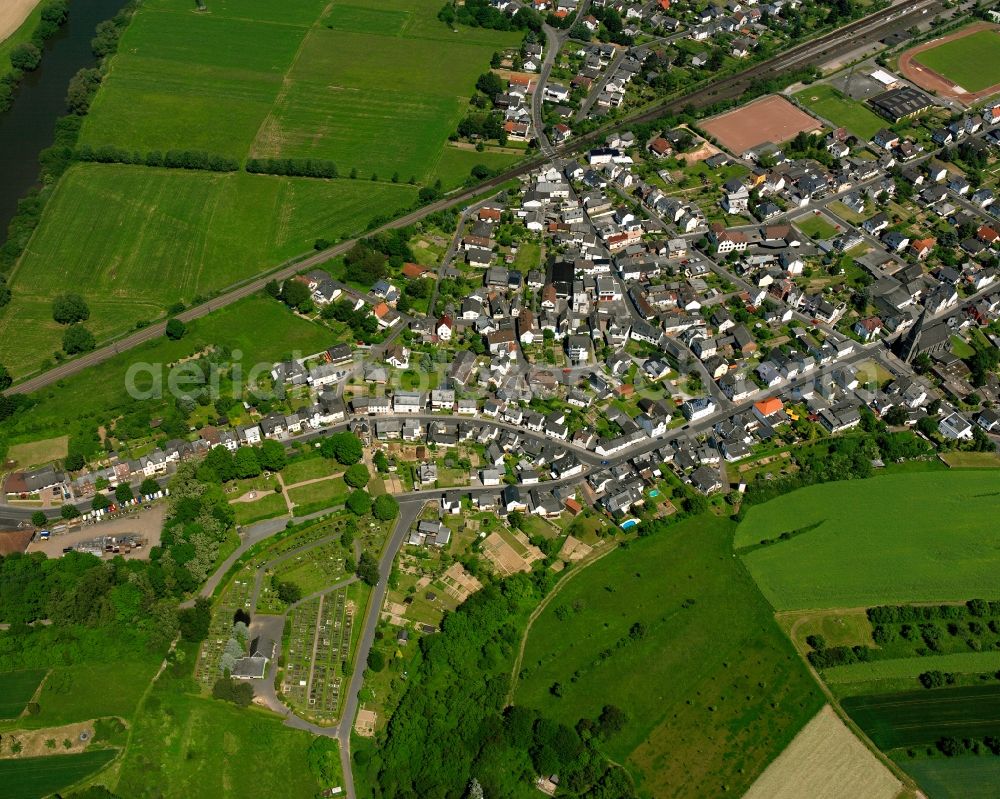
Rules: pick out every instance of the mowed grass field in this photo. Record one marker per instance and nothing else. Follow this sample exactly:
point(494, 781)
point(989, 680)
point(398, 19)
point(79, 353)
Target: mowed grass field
point(825, 761)
point(972, 62)
point(919, 718)
point(134, 240)
point(712, 689)
point(37, 777)
point(16, 688)
point(830, 104)
point(890, 539)
point(373, 90)
point(896, 668)
point(208, 749)
point(956, 777)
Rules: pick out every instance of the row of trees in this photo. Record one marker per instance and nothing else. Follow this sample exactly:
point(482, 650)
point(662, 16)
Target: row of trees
point(295, 167)
point(172, 159)
point(27, 56)
point(480, 14)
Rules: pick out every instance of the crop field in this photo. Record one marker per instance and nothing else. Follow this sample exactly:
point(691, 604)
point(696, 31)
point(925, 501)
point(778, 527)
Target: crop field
point(206, 749)
point(712, 688)
point(891, 539)
point(37, 777)
point(956, 777)
point(16, 688)
point(133, 241)
point(825, 761)
point(972, 62)
point(896, 668)
point(919, 718)
point(830, 104)
point(369, 94)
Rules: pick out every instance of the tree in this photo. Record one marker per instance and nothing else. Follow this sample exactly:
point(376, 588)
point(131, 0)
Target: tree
point(78, 339)
point(100, 502)
point(69, 512)
point(295, 294)
point(376, 660)
point(123, 493)
point(5, 378)
point(273, 289)
point(385, 508)
point(68, 309)
point(344, 446)
point(149, 487)
point(368, 568)
point(289, 592)
point(195, 622)
point(489, 83)
point(247, 463)
point(176, 329)
point(26, 57)
point(612, 720)
point(272, 456)
point(358, 502)
point(39, 519)
point(381, 462)
point(357, 476)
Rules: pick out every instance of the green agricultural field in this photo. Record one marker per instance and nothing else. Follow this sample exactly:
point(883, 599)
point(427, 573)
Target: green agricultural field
point(208, 749)
point(37, 777)
point(72, 693)
point(712, 688)
point(99, 393)
point(16, 688)
point(370, 96)
point(955, 777)
point(972, 62)
point(890, 539)
point(919, 718)
point(133, 241)
point(830, 104)
point(896, 668)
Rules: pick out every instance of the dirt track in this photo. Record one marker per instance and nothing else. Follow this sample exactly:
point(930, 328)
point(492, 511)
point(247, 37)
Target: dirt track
point(932, 81)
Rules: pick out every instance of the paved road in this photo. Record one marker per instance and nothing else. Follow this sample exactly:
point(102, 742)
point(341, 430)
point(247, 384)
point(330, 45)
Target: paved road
point(409, 509)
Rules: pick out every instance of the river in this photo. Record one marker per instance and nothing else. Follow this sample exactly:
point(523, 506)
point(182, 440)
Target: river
point(28, 127)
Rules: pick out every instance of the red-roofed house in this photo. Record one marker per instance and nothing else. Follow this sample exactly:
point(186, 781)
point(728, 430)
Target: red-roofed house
point(660, 147)
point(414, 271)
point(868, 328)
point(987, 235)
point(923, 247)
point(444, 328)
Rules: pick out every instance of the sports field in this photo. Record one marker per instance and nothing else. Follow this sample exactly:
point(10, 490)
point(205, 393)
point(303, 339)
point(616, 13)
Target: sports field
point(972, 62)
point(16, 688)
point(37, 777)
point(891, 539)
point(712, 688)
point(770, 119)
point(825, 761)
point(968, 777)
point(830, 104)
point(919, 718)
point(134, 240)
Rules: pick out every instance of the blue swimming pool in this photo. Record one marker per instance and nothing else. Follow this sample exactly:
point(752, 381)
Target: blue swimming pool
point(655, 492)
point(628, 524)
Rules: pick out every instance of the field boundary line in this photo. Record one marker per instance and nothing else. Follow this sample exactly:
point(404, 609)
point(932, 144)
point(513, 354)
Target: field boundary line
point(538, 611)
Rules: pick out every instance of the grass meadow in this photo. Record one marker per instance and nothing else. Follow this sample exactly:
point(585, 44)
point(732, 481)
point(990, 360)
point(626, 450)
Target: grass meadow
point(99, 394)
point(267, 507)
point(134, 240)
point(919, 718)
point(202, 748)
point(16, 689)
point(972, 62)
point(897, 668)
point(830, 104)
point(37, 777)
point(713, 690)
point(890, 539)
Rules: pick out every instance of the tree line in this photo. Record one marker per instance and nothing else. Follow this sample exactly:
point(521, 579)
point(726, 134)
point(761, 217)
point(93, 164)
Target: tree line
point(27, 56)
